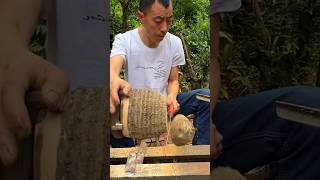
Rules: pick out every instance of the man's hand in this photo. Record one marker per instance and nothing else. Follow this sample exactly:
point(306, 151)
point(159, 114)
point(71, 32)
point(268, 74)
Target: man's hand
point(173, 105)
point(216, 142)
point(172, 91)
point(22, 71)
point(118, 86)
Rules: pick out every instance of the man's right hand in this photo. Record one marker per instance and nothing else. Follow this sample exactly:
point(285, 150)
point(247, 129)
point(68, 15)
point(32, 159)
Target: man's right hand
point(118, 86)
point(22, 71)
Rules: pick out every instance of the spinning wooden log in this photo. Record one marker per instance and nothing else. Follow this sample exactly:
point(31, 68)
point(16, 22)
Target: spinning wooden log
point(142, 115)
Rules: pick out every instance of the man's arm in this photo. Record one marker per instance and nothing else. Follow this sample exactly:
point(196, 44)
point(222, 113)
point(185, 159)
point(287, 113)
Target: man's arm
point(18, 20)
point(173, 88)
point(117, 85)
point(116, 63)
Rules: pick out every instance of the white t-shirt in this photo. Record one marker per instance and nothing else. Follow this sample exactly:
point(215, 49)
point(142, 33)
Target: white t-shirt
point(148, 67)
point(78, 40)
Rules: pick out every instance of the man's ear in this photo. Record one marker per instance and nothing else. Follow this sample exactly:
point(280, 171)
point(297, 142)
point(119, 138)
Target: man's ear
point(141, 16)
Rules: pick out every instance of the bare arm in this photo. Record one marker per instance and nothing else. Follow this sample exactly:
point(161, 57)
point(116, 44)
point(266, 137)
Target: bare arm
point(173, 87)
point(116, 63)
point(117, 85)
point(18, 20)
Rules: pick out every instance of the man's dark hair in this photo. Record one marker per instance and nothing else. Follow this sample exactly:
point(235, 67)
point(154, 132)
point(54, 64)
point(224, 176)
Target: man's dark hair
point(145, 5)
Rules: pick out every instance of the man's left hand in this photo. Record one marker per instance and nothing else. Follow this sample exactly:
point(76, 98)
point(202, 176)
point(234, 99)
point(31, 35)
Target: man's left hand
point(173, 105)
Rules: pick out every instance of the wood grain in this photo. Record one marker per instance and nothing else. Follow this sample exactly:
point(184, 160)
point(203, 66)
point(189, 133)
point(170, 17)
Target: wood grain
point(191, 170)
point(169, 153)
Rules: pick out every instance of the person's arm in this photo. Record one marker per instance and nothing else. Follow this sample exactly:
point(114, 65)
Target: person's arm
point(117, 59)
point(215, 84)
point(21, 71)
point(18, 20)
point(173, 88)
point(117, 85)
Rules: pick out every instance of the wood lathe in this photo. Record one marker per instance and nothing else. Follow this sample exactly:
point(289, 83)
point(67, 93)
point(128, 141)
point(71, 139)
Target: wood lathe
point(144, 116)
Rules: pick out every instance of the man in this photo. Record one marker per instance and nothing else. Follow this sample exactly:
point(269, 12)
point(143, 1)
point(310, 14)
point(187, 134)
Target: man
point(79, 56)
point(252, 133)
point(152, 56)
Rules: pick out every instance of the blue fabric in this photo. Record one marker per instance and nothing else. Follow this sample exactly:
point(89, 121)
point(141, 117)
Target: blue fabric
point(189, 104)
point(121, 143)
point(255, 136)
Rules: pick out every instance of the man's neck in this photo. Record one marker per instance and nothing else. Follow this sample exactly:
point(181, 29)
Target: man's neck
point(146, 39)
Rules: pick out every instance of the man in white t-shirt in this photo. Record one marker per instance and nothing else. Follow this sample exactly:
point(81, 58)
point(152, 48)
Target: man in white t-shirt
point(253, 134)
point(151, 56)
point(156, 64)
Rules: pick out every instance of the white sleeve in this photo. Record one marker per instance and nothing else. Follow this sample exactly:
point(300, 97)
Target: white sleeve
point(119, 47)
point(178, 57)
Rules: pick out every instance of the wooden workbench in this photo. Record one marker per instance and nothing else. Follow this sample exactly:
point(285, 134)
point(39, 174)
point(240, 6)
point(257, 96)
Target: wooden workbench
point(168, 153)
point(185, 171)
point(164, 162)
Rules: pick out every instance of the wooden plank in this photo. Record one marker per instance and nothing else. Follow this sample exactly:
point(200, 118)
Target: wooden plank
point(169, 153)
point(46, 147)
point(192, 170)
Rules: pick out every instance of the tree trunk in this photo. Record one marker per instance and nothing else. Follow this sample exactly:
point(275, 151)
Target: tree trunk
point(125, 10)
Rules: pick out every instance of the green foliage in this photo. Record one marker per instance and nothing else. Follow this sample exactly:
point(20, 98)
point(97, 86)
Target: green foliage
point(38, 42)
point(275, 43)
point(116, 16)
point(191, 24)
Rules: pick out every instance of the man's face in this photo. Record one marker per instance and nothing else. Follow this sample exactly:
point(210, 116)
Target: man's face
point(156, 21)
